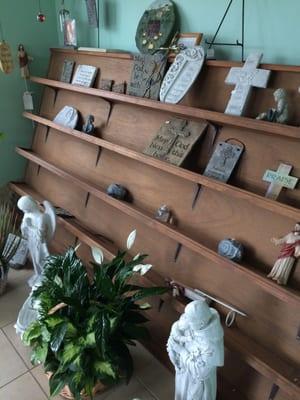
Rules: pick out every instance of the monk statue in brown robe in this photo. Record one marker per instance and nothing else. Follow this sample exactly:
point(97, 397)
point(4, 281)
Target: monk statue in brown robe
point(289, 253)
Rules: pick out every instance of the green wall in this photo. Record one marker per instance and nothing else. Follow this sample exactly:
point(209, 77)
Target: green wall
point(18, 18)
point(272, 26)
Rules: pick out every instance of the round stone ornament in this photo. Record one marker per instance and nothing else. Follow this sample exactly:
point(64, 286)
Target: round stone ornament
point(156, 27)
point(231, 249)
point(6, 59)
point(117, 191)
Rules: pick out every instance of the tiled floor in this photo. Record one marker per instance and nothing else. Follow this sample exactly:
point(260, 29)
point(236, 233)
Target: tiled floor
point(20, 380)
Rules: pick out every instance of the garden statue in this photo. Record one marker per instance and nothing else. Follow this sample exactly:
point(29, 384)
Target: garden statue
point(164, 214)
point(196, 348)
point(281, 113)
point(89, 127)
point(289, 253)
point(37, 228)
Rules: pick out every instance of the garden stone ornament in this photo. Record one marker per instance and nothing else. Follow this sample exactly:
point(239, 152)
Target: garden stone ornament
point(280, 114)
point(37, 228)
point(196, 349)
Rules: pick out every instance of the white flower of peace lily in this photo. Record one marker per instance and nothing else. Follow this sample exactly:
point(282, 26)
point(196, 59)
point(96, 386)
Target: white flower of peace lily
point(98, 255)
point(131, 239)
point(142, 268)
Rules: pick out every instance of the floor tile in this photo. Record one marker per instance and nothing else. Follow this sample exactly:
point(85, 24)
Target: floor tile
point(39, 375)
point(11, 364)
point(135, 390)
point(23, 388)
point(158, 380)
point(141, 357)
point(12, 300)
point(24, 351)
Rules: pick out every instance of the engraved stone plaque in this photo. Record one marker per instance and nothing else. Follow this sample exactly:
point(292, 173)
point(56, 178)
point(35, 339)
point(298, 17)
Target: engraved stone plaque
point(119, 87)
point(92, 13)
point(67, 71)
point(223, 161)
point(106, 84)
point(182, 74)
point(147, 75)
point(175, 140)
point(85, 75)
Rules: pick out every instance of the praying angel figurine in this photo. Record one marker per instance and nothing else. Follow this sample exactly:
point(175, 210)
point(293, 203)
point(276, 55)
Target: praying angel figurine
point(289, 253)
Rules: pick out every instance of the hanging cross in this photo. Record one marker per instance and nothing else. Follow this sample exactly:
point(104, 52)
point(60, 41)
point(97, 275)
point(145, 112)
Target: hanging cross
point(279, 179)
point(245, 78)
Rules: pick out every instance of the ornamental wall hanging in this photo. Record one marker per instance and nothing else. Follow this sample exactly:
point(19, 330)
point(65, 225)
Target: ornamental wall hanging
point(156, 27)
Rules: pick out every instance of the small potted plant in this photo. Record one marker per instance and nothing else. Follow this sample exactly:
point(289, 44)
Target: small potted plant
point(8, 248)
point(85, 325)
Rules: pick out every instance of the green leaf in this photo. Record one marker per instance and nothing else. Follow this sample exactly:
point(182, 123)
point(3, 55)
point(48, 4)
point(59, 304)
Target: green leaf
point(71, 351)
point(136, 332)
point(58, 281)
point(56, 384)
point(104, 368)
point(58, 336)
point(39, 354)
point(90, 340)
point(34, 331)
point(54, 320)
point(148, 292)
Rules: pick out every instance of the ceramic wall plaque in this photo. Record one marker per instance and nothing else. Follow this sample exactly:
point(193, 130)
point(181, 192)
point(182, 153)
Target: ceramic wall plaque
point(175, 139)
point(182, 74)
point(147, 75)
point(85, 75)
point(156, 27)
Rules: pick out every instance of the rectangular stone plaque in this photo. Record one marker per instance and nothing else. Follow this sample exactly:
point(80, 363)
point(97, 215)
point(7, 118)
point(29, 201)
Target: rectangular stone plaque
point(223, 161)
point(147, 74)
point(67, 71)
point(85, 75)
point(106, 84)
point(175, 140)
point(119, 87)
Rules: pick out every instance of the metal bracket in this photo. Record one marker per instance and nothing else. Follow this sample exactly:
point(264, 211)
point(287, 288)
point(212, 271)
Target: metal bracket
point(177, 252)
point(98, 155)
point(198, 191)
point(161, 304)
point(38, 170)
point(47, 133)
point(298, 334)
point(55, 95)
point(274, 392)
point(87, 199)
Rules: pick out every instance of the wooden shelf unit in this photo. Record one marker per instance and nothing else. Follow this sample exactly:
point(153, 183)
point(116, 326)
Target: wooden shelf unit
point(73, 169)
point(263, 127)
point(280, 292)
point(259, 201)
point(263, 361)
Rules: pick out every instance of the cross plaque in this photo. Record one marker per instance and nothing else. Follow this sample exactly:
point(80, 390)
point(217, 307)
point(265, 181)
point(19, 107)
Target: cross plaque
point(245, 78)
point(279, 179)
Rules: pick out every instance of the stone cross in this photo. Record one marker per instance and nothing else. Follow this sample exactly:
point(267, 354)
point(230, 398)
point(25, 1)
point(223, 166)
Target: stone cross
point(245, 78)
point(279, 179)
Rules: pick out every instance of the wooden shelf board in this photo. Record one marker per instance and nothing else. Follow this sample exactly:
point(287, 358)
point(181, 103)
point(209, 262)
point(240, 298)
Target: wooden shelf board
point(282, 293)
point(257, 200)
point(253, 354)
point(287, 131)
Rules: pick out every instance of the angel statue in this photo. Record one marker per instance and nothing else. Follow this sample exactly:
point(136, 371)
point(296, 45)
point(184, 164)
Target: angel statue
point(196, 348)
point(288, 255)
point(37, 228)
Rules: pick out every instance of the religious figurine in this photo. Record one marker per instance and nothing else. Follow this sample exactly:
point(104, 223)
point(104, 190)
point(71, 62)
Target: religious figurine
point(289, 253)
point(164, 214)
point(196, 348)
point(37, 228)
point(23, 62)
point(231, 249)
point(117, 191)
point(280, 114)
point(88, 127)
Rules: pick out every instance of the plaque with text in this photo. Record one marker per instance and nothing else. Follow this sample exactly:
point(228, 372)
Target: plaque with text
point(175, 140)
point(223, 161)
point(147, 75)
point(67, 71)
point(85, 75)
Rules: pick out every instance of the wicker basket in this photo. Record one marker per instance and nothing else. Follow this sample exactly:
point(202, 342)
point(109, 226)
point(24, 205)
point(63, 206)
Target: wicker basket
point(3, 280)
point(67, 394)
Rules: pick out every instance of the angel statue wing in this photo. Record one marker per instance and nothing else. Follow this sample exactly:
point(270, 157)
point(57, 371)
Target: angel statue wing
point(50, 216)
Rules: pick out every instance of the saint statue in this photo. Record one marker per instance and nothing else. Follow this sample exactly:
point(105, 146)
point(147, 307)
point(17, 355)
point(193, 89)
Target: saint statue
point(196, 348)
point(289, 253)
point(23, 62)
point(37, 228)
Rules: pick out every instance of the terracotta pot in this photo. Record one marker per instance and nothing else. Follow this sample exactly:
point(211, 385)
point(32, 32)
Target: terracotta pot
point(3, 279)
point(67, 394)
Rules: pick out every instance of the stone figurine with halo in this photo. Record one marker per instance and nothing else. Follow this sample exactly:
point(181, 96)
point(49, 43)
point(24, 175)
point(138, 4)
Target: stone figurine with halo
point(196, 349)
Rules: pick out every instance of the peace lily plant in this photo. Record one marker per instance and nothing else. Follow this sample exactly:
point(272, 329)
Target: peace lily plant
point(85, 326)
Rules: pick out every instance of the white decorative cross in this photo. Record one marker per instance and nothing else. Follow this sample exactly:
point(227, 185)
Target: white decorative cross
point(244, 79)
point(279, 179)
